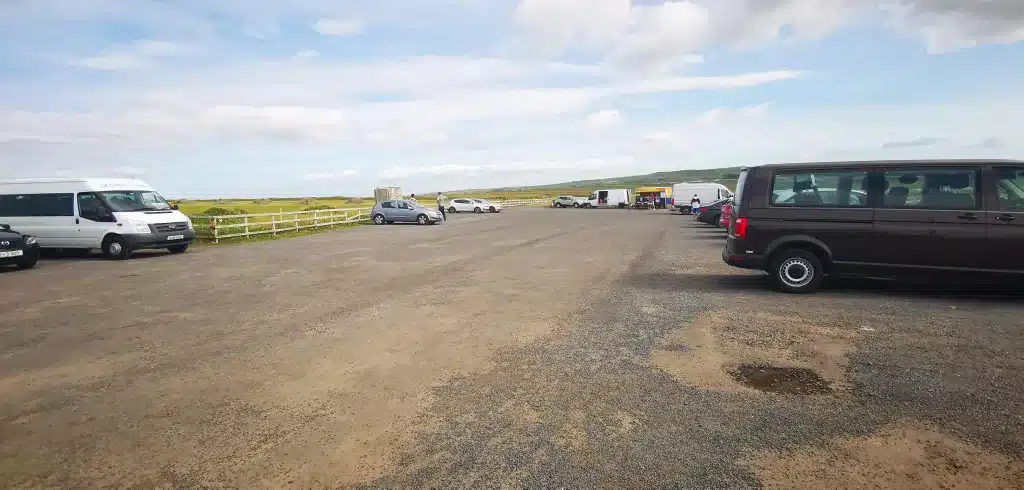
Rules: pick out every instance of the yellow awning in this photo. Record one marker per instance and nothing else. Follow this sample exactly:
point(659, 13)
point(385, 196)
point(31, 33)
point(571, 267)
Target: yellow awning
point(654, 190)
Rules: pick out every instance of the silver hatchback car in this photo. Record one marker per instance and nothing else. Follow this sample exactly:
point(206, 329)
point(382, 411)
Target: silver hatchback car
point(404, 212)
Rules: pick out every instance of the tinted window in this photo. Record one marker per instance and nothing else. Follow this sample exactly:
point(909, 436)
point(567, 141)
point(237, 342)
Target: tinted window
point(1010, 181)
point(37, 205)
point(404, 205)
point(812, 188)
point(931, 189)
point(387, 204)
point(740, 184)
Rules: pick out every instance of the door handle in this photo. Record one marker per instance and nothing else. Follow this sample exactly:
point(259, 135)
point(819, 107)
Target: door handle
point(77, 222)
point(968, 216)
point(1005, 217)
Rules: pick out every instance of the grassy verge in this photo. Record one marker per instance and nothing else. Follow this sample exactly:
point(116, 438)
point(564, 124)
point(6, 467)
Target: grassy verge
point(207, 239)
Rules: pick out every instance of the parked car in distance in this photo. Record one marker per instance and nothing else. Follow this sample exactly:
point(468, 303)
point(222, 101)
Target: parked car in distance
point(723, 219)
point(404, 212)
point(17, 249)
point(568, 202)
point(712, 213)
point(931, 219)
point(488, 206)
point(471, 205)
point(683, 193)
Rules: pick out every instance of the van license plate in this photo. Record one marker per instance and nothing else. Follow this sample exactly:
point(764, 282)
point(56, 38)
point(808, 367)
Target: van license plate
point(13, 253)
point(176, 237)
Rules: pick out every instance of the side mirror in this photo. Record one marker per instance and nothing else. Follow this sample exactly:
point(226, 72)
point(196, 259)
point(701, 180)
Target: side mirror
point(174, 207)
point(5, 227)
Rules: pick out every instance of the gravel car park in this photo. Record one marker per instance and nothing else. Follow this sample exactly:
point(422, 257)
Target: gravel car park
point(491, 353)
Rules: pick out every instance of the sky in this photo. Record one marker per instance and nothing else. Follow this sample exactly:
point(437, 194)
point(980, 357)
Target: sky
point(257, 98)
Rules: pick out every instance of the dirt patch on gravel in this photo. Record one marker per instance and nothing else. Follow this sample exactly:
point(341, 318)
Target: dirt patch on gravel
point(905, 457)
point(704, 353)
point(789, 381)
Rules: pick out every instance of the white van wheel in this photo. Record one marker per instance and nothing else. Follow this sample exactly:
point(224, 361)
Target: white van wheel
point(114, 247)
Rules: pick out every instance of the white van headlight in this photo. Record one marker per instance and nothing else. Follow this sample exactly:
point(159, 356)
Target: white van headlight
point(30, 240)
point(141, 228)
point(188, 223)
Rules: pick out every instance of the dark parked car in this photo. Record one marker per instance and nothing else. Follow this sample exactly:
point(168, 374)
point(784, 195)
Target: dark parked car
point(889, 219)
point(17, 249)
point(712, 213)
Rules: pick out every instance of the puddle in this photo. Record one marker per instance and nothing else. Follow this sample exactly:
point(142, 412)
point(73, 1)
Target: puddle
point(785, 380)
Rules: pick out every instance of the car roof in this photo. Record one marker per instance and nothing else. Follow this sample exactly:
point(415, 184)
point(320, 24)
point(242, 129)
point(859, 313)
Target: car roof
point(886, 163)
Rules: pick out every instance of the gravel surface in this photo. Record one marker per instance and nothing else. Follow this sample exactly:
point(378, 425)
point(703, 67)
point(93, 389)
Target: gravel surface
point(536, 348)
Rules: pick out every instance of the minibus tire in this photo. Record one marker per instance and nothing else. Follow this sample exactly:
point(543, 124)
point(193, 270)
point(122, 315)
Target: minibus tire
point(119, 252)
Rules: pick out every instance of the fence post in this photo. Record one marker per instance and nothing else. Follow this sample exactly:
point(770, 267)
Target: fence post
point(296, 218)
point(246, 225)
point(273, 225)
point(215, 238)
point(316, 218)
point(346, 216)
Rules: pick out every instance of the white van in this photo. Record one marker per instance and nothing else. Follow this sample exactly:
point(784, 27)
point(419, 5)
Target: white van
point(608, 198)
point(116, 216)
point(708, 193)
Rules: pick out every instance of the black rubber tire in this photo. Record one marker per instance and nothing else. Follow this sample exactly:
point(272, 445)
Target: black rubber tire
point(587, 206)
point(796, 257)
point(453, 210)
point(575, 204)
point(422, 219)
point(718, 221)
point(28, 264)
point(120, 252)
point(478, 210)
point(379, 219)
point(493, 209)
point(685, 210)
point(558, 204)
point(178, 249)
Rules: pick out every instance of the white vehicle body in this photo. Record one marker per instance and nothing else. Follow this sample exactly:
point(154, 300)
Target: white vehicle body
point(469, 205)
point(568, 202)
point(708, 193)
point(608, 198)
point(488, 206)
point(79, 213)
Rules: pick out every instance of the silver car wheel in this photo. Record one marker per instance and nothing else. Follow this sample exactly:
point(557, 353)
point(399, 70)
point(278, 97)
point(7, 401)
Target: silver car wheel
point(796, 272)
point(114, 248)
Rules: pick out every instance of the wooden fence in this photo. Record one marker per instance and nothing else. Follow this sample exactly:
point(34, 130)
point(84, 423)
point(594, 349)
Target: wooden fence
point(216, 228)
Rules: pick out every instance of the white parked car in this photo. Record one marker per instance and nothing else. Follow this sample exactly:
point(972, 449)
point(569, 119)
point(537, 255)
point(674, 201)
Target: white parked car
point(568, 202)
point(488, 206)
point(468, 205)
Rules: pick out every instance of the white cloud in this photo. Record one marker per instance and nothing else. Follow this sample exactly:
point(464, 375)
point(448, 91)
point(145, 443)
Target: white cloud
point(336, 27)
point(669, 34)
point(307, 53)
point(132, 56)
point(329, 176)
point(604, 119)
point(720, 114)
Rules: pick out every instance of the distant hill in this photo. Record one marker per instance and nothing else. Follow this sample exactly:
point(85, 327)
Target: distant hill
point(726, 176)
point(657, 178)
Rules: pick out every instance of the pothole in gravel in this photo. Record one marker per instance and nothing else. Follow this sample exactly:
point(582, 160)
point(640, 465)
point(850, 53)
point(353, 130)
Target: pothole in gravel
point(784, 380)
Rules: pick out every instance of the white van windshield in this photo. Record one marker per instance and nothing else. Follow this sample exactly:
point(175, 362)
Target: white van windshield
point(126, 201)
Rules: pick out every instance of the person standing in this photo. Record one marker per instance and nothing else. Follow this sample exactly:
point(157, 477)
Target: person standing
point(694, 205)
point(440, 206)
